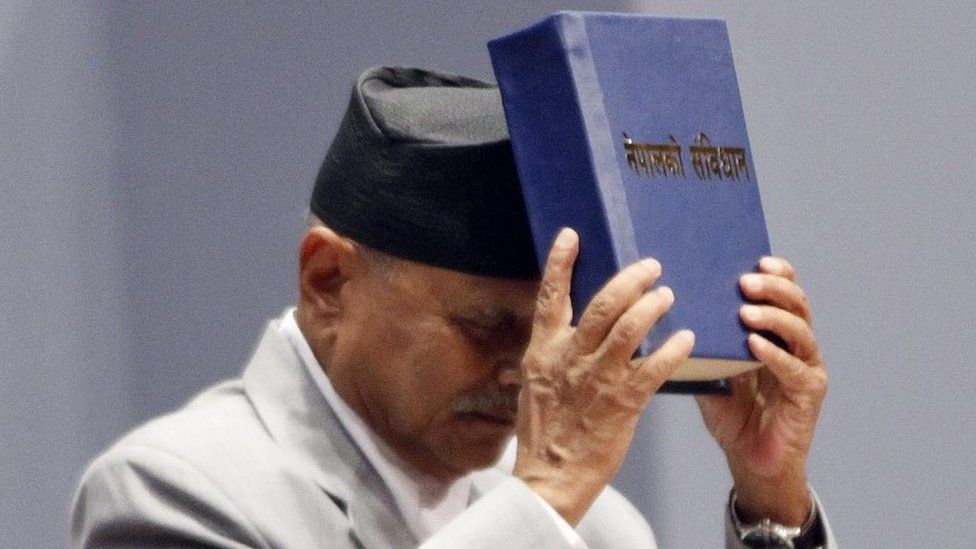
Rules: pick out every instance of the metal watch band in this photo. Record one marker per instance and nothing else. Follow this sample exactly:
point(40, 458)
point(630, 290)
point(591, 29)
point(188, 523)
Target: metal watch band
point(771, 535)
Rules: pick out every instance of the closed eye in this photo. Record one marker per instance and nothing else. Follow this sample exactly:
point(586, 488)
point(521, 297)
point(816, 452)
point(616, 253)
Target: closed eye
point(494, 332)
point(479, 334)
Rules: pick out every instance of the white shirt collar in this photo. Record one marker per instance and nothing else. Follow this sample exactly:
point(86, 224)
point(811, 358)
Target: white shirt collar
point(426, 504)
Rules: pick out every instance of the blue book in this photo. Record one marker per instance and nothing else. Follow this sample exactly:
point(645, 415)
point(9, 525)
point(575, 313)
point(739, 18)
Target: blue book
point(629, 129)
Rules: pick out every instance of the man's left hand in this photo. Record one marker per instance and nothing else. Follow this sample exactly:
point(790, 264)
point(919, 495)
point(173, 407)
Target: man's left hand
point(766, 426)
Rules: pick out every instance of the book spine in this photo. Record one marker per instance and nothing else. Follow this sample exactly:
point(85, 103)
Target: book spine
point(603, 156)
point(553, 140)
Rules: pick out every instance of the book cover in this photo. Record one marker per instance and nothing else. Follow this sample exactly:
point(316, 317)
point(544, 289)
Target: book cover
point(630, 129)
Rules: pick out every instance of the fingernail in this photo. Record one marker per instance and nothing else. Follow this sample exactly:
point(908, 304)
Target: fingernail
point(653, 265)
point(687, 334)
point(565, 237)
point(751, 281)
point(666, 293)
point(757, 341)
point(768, 263)
point(751, 312)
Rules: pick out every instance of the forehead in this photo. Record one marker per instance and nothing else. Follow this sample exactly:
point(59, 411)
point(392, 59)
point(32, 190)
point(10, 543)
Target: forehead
point(477, 298)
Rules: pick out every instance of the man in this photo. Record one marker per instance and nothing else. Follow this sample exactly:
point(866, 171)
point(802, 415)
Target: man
point(373, 413)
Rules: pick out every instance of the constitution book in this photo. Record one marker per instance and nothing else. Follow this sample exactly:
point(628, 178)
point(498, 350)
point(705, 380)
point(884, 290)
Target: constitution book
point(630, 130)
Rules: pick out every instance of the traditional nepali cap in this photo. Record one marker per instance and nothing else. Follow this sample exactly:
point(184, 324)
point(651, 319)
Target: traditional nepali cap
point(422, 169)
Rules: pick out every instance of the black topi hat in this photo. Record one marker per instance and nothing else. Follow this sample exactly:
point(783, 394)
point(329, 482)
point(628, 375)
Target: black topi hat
point(422, 169)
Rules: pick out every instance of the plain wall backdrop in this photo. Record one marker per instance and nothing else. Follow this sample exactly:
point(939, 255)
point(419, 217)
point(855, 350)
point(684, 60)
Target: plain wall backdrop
point(156, 161)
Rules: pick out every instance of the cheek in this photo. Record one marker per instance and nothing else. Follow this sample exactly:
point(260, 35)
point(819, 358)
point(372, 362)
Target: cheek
point(447, 366)
point(418, 370)
point(378, 353)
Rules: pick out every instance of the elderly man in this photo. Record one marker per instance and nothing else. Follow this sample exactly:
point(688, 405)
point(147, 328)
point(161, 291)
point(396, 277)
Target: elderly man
point(374, 414)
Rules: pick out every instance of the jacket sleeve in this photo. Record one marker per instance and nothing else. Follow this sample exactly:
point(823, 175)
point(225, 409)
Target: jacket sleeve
point(512, 516)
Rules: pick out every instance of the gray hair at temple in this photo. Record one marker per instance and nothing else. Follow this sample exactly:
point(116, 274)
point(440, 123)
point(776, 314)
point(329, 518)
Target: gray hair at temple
point(379, 263)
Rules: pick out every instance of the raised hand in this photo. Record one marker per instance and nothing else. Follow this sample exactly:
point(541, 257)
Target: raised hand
point(766, 426)
point(582, 394)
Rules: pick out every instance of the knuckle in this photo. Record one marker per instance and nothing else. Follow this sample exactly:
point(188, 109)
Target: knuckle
point(600, 309)
point(584, 364)
point(541, 308)
point(580, 344)
point(668, 361)
point(632, 399)
point(662, 362)
point(532, 363)
point(549, 292)
point(802, 296)
point(803, 300)
point(818, 381)
point(625, 332)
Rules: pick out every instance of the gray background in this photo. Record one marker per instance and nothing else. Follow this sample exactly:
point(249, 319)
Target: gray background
point(155, 161)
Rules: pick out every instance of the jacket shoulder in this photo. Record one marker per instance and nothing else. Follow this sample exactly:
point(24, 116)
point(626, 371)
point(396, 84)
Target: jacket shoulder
point(210, 474)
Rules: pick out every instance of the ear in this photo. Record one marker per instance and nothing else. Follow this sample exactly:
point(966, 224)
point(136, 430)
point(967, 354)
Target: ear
point(326, 262)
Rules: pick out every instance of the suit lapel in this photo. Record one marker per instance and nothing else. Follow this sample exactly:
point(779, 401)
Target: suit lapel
point(303, 424)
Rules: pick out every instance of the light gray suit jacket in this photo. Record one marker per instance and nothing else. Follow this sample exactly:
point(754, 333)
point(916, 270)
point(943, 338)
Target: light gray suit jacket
point(263, 462)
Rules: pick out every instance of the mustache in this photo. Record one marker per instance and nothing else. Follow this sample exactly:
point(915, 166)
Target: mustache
point(494, 403)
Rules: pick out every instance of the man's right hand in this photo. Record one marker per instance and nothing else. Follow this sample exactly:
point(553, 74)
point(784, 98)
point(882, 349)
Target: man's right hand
point(582, 394)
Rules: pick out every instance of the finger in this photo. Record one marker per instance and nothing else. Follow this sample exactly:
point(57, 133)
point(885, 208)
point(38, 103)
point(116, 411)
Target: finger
point(791, 328)
point(616, 297)
point(724, 414)
point(793, 375)
point(656, 368)
point(630, 329)
point(777, 266)
point(778, 291)
point(553, 309)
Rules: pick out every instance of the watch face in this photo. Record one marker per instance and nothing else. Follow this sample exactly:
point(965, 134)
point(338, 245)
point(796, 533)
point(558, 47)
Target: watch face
point(766, 539)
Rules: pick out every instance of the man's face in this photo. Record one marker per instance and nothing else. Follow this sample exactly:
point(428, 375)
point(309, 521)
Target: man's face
point(430, 357)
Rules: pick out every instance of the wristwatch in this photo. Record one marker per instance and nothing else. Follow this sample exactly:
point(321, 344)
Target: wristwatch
point(771, 535)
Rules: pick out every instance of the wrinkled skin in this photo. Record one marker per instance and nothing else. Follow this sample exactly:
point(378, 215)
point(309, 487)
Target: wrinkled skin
point(582, 394)
point(765, 428)
point(433, 360)
point(428, 357)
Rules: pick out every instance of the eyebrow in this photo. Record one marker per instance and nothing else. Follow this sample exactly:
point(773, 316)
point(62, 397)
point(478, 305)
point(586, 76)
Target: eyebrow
point(488, 316)
point(495, 325)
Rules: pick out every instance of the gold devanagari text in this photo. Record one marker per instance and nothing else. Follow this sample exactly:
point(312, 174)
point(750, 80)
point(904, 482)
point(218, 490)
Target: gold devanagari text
point(655, 159)
point(710, 161)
